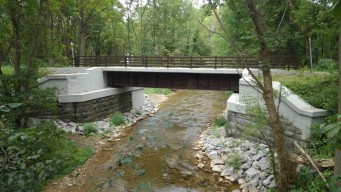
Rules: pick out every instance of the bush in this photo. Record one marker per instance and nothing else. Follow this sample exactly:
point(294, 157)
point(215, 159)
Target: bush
point(326, 65)
point(219, 121)
point(117, 119)
point(309, 180)
point(29, 157)
point(319, 90)
point(89, 128)
point(234, 160)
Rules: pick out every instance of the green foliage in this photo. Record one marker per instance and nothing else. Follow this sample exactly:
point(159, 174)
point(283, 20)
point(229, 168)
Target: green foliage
point(318, 146)
point(309, 180)
point(219, 122)
point(319, 90)
point(162, 91)
point(29, 157)
point(7, 69)
point(333, 131)
point(228, 94)
point(89, 128)
point(326, 65)
point(116, 119)
point(234, 160)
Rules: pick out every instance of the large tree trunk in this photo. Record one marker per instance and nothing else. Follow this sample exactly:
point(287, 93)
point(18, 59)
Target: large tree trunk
point(337, 168)
point(286, 174)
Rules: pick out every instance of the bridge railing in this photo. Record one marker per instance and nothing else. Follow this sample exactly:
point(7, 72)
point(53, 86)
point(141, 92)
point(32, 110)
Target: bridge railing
point(277, 61)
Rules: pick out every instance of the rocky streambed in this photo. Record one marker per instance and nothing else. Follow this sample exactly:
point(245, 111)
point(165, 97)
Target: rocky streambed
point(104, 126)
point(235, 160)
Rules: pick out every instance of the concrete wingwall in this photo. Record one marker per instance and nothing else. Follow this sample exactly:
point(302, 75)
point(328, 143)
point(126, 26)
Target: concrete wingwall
point(297, 116)
point(85, 97)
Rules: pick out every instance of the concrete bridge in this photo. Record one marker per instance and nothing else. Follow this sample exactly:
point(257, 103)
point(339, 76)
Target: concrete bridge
point(89, 94)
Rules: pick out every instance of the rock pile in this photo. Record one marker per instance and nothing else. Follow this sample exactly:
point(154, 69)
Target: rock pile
point(235, 160)
point(105, 128)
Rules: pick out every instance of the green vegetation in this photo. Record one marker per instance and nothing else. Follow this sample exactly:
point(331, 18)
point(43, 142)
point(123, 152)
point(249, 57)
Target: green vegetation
point(219, 121)
point(319, 90)
point(234, 160)
point(89, 128)
point(328, 65)
point(31, 156)
point(162, 91)
point(116, 119)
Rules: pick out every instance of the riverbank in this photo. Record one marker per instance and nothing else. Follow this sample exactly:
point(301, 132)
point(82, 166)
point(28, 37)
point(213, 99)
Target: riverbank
point(235, 160)
point(102, 139)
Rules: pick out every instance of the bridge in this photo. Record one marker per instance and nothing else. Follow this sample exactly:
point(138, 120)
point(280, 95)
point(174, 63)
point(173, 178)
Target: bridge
point(115, 83)
point(276, 61)
point(178, 72)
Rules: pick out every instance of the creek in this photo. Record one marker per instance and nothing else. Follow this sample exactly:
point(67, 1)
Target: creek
point(157, 153)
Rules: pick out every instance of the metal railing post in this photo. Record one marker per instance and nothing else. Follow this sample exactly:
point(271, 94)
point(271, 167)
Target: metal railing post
point(125, 61)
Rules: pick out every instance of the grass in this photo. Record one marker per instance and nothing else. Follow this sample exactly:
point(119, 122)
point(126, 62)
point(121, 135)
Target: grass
point(89, 128)
point(116, 119)
point(162, 91)
point(319, 90)
point(219, 121)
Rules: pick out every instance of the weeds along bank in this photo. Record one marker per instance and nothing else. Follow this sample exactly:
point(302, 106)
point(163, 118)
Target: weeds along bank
point(247, 163)
point(48, 149)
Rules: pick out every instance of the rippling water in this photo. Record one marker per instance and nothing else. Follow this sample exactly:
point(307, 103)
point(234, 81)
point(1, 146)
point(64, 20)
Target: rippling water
point(162, 158)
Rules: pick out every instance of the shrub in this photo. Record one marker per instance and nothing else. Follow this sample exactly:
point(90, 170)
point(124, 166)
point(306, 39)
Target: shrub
point(117, 119)
point(89, 128)
point(319, 90)
point(234, 160)
point(31, 156)
point(326, 65)
point(219, 121)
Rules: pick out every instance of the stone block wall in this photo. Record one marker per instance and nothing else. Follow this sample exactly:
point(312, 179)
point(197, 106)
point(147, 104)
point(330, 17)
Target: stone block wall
point(238, 123)
point(94, 109)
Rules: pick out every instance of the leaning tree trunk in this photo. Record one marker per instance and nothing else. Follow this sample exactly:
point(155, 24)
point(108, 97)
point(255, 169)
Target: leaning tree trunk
point(337, 168)
point(286, 174)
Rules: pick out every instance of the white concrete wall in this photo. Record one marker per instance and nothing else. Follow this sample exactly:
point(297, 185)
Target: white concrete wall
point(92, 84)
point(138, 97)
point(293, 108)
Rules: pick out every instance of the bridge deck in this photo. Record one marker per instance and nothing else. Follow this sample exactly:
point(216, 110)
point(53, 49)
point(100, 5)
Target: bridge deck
point(278, 61)
point(176, 78)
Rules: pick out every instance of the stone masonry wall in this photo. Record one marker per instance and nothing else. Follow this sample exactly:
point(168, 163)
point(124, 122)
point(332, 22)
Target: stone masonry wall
point(95, 109)
point(238, 124)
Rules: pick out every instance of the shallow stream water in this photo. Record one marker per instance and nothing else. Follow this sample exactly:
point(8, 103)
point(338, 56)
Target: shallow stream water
point(157, 153)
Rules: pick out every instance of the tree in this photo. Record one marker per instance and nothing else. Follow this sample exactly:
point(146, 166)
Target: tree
point(285, 174)
point(337, 169)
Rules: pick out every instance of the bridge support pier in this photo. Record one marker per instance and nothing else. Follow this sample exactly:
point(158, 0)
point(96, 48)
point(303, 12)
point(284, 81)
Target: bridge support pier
point(85, 97)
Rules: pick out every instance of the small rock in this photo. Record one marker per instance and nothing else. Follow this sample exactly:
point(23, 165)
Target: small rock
point(262, 175)
point(241, 181)
point(186, 173)
point(257, 157)
point(213, 155)
point(199, 156)
point(272, 184)
point(201, 165)
point(268, 180)
point(217, 168)
point(227, 172)
point(217, 162)
point(252, 172)
point(254, 182)
point(253, 189)
point(236, 190)
point(245, 166)
point(263, 164)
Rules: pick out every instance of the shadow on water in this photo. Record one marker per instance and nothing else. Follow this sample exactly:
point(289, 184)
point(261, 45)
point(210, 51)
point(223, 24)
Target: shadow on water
point(158, 150)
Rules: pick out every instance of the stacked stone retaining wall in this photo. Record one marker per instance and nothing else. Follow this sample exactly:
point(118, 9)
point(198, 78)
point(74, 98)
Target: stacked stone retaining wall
point(94, 109)
point(239, 126)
